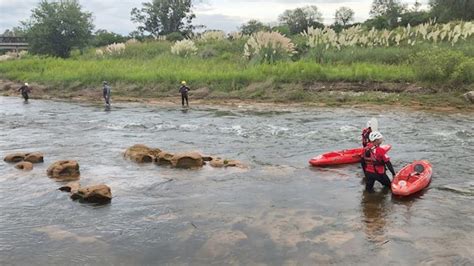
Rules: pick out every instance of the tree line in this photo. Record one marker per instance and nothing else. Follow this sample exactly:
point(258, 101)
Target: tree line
point(57, 27)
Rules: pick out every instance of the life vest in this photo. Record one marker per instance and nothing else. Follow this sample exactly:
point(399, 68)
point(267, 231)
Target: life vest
point(365, 136)
point(372, 164)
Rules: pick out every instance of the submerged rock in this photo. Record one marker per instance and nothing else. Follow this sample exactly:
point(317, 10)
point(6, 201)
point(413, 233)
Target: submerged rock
point(25, 166)
point(219, 163)
point(164, 158)
point(64, 170)
point(94, 194)
point(32, 157)
point(141, 154)
point(72, 187)
point(187, 160)
point(469, 96)
point(235, 163)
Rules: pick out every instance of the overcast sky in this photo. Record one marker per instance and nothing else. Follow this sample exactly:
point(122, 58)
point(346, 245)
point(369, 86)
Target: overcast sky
point(227, 15)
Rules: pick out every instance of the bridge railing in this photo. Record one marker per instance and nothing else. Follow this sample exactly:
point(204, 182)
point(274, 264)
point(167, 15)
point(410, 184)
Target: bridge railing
point(7, 39)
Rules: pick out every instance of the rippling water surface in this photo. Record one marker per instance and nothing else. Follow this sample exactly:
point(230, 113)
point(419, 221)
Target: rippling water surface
point(279, 211)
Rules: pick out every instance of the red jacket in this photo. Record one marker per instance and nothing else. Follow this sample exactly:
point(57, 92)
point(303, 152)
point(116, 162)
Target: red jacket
point(375, 159)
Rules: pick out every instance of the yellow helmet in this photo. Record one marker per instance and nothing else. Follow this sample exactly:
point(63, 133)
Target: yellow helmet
point(183, 82)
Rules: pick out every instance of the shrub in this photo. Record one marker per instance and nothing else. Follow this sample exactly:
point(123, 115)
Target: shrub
point(146, 50)
point(13, 55)
point(268, 47)
point(174, 37)
point(437, 64)
point(236, 35)
point(208, 52)
point(213, 35)
point(184, 48)
point(464, 72)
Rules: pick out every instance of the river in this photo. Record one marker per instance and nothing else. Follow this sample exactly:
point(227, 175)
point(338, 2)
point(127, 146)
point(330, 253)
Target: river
point(279, 211)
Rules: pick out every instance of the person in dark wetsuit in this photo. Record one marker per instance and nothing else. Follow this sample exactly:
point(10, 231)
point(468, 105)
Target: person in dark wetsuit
point(106, 93)
point(375, 162)
point(25, 89)
point(184, 93)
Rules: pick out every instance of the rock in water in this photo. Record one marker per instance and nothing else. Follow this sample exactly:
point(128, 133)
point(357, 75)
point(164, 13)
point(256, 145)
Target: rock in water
point(25, 166)
point(72, 187)
point(64, 170)
point(187, 160)
point(164, 158)
point(219, 163)
point(141, 154)
point(15, 157)
point(94, 194)
point(34, 157)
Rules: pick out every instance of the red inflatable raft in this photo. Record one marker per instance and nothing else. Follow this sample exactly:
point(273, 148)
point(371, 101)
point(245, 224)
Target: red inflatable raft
point(412, 178)
point(341, 157)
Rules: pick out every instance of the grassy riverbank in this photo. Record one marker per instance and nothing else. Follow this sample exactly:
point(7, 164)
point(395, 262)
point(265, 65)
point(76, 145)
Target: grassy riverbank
point(425, 73)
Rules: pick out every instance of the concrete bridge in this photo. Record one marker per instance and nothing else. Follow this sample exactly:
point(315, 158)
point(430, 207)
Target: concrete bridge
point(13, 43)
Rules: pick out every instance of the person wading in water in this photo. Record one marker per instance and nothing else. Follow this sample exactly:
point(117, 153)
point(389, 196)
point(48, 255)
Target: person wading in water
point(106, 93)
point(25, 89)
point(375, 162)
point(184, 93)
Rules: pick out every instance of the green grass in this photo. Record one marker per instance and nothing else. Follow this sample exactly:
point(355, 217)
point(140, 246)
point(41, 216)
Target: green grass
point(150, 69)
point(168, 70)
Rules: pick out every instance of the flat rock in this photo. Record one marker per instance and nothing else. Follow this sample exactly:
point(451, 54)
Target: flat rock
point(219, 163)
point(25, 166)
point(93, 194)
point(164, 158)
point(32, 157)
point(14, 157)
point(141, 154)
point(67, 170)
point(187, 160)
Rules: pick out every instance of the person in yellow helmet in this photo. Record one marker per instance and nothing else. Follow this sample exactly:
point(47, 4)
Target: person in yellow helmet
point(184, 93)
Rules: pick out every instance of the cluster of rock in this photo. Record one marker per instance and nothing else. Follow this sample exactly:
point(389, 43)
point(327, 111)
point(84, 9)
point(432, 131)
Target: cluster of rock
point(62, 171)
point(24, 160)
point(68, 170)
point(142, 154)
point(100, 194)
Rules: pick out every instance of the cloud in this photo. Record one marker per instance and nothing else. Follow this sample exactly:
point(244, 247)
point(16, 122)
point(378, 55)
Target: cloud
point(227, 15)
point(219, 22)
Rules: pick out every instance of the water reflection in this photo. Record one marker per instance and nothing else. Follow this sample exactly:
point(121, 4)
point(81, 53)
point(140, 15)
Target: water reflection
point(375, 209)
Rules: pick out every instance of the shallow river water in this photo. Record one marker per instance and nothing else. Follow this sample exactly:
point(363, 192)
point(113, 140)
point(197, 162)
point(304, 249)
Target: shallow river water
point(280, 211)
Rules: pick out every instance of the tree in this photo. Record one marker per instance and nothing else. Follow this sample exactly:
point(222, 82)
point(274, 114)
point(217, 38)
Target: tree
point(416, 6)
point(390, 10)
point(162, 17)
point(103, 38)
point(344, 15)
point(300, 19)
point(447, 10)
point(14, 32)
point(55, 28)
point(253, 26)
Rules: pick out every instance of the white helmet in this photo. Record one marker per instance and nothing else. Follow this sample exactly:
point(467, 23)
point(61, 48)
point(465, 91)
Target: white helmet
point(26, 84)
point(375, 135)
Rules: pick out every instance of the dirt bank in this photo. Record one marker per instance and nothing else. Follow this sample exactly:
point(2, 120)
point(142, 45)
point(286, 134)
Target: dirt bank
point(370, 95)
